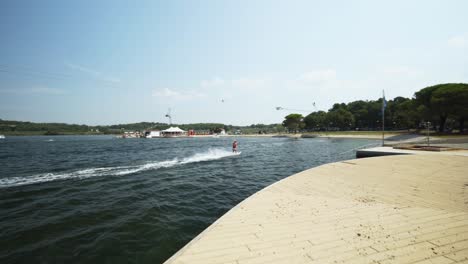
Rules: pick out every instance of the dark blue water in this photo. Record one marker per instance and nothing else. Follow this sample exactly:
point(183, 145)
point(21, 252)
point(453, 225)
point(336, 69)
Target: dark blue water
point(98, 199)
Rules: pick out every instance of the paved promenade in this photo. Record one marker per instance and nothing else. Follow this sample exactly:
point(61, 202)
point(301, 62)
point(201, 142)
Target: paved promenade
point(394, 209)
point(385, 151)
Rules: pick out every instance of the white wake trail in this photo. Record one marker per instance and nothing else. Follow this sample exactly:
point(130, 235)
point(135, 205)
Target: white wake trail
point(211, 154)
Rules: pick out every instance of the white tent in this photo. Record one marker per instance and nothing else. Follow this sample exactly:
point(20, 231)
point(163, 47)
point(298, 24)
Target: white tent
point(173, 130)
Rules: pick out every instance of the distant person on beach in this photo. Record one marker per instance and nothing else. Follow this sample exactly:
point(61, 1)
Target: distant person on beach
point(234, 146)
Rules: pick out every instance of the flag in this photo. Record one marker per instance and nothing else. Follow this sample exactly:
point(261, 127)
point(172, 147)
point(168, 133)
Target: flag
point(384, 102)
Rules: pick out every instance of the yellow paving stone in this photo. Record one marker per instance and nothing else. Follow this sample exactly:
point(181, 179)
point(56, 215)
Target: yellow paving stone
point(461, 234)
point(436, 260)
point(387, 244)
point(408, 238)
point(458, 246)
point(459, 256)
point(418, 251)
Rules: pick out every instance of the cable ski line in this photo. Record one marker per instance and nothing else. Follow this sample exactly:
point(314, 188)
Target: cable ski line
point(33, 71)
point(29, 72)
point(32, 74)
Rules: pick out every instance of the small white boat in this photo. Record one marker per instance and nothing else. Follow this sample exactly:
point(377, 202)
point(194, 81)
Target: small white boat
point(153, 134)
point(2, 136)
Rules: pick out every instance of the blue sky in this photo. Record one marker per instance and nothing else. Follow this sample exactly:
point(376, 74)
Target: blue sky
point(108, 62)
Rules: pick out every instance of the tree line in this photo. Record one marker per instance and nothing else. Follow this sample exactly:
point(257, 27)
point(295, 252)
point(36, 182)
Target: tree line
point(443, 107)
point(10, 127)
point(31, 128)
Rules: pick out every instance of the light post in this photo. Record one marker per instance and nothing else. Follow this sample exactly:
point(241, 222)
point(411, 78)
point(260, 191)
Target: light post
point(428, 125)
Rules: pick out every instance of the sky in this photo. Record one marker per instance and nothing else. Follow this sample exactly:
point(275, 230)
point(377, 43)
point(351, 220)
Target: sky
point(232, 62)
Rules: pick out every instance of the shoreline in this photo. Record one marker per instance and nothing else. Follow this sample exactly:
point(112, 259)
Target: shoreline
point(324, 135)
point(390, 137)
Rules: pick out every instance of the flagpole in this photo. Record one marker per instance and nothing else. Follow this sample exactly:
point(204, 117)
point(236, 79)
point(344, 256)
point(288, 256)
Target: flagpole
point(383, 118)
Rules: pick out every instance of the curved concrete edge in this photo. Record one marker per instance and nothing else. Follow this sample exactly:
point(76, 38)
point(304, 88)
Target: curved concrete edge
point(364, 153)
point(387, 151)
point(215, 223)
point(345, 188)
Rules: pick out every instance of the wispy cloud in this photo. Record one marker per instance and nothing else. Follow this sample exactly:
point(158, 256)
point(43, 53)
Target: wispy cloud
point(249, 83)
point(234, 84)
point(96, 74)
point(215, 82)
point(218, 89)
point(165, 92)
point(460, 41)
point(318, 76)
point(320, 79)
point(400, 71)
point(176, 94)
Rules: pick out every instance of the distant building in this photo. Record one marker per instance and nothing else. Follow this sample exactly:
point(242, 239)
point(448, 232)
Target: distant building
point(131, 134)
point(173, 132)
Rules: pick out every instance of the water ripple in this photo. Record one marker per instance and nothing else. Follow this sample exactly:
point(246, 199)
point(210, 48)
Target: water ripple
point(104, 200)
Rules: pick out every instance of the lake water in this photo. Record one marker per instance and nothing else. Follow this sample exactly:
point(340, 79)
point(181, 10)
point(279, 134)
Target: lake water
point(98, 199)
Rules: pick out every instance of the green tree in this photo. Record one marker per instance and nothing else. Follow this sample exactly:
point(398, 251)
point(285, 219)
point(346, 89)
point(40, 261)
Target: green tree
point(278, 128)
point(316, 120)
point(338, 106)
point(427, 109)
point(359, 109)
point(394, 117)
point(452, 100)
point(405, 114)
point(341, 119)
point(293, 122)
